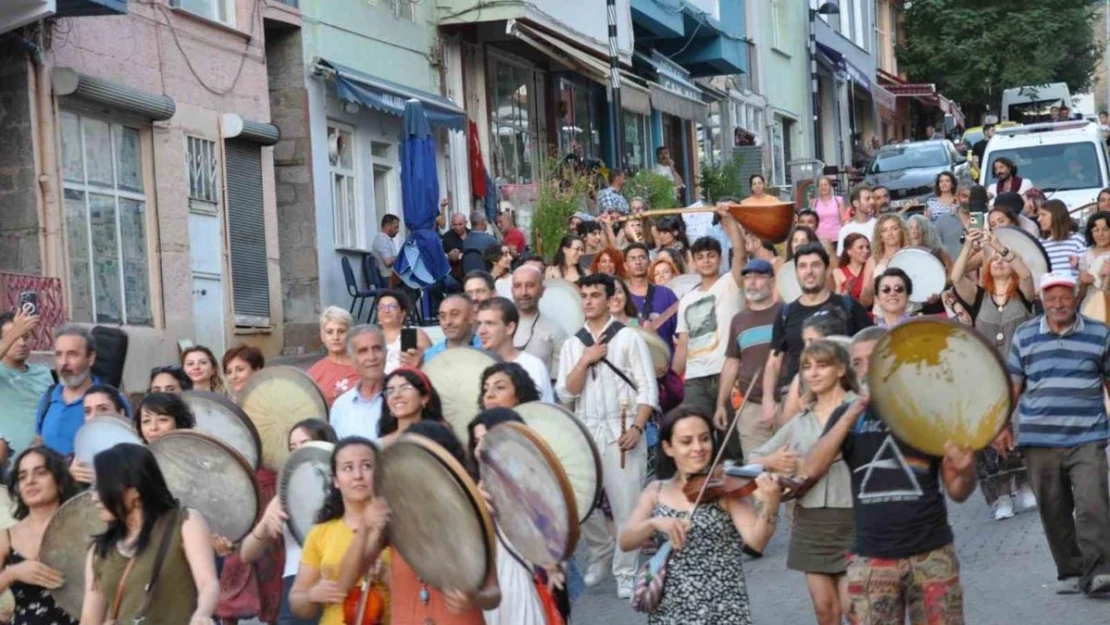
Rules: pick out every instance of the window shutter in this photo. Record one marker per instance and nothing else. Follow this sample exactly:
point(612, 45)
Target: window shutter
point(247, 233)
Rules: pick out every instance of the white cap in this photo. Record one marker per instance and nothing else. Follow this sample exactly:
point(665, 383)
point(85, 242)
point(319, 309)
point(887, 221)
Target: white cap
point(1054, 278)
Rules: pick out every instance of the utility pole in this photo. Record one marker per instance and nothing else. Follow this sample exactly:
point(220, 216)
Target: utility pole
point(615, 111)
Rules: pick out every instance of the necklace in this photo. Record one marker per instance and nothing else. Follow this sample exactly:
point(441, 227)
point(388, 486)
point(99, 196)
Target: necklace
point(425, 598)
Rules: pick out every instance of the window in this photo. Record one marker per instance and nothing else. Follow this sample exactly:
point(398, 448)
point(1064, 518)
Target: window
point(514, 90)
point(201, 162)
point(105, 221)
point(635, 141)
point(776, 25)
point(859, 12)
point(222, 11)
point(577, 120)
point(344, 191)
point(405, 9)
point(384, 159)
point(778, 156)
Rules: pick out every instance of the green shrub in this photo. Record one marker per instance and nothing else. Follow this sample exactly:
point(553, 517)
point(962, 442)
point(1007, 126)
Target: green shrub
point(722, 179)
point(656, 189)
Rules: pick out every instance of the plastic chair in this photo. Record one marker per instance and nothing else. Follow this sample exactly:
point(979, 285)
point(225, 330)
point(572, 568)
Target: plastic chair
point(358, 295)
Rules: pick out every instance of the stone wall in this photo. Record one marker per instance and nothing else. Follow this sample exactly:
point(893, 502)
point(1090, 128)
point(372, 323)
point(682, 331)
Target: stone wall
point(19, 215)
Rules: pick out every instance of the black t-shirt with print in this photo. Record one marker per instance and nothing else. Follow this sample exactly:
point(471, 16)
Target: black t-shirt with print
point(898, 501)
point(786, 337)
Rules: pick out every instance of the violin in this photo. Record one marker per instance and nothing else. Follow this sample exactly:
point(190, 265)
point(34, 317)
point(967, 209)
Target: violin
point(367, 598)
point(737, 483)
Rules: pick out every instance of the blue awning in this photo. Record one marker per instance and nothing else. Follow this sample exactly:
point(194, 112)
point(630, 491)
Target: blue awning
point(389, 97)
point(843, 66)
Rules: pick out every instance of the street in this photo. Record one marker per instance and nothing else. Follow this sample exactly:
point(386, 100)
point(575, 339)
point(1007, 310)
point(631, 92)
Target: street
point(1007, 574)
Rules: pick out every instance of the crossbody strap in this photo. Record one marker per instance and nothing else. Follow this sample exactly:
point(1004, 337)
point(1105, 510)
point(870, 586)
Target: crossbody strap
point(167, 522)
point(119, 589)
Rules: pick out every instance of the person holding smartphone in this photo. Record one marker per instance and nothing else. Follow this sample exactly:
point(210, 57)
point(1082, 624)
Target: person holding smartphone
point(404, 346)
point(22, 384)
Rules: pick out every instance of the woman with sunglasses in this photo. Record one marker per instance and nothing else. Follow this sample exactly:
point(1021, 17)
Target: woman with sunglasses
point(273, 529)
point(203, 369)
point(169, 379)
point(39, 485)
point(408, 398)
point(393, 306)
point(894, 288)
point(140, 512)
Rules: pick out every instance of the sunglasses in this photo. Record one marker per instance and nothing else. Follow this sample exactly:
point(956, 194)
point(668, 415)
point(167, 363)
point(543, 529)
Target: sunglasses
point(895, 289)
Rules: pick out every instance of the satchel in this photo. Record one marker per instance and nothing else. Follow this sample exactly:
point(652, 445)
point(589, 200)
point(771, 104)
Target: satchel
point(647, 591)
point(166, 527)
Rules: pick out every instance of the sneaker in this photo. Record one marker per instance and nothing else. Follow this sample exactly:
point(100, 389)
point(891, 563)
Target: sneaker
point(595, 573)
point(1003, 508)
point(1026, 499)
point(1067, 586)
point(624, 588)
point(1099, 584)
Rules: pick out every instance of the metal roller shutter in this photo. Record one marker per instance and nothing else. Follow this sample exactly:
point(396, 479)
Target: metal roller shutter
point(250, 280)
point(750, 158)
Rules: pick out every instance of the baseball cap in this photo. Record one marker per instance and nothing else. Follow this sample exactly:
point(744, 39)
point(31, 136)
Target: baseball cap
point(758, 265)
point(1054, 278)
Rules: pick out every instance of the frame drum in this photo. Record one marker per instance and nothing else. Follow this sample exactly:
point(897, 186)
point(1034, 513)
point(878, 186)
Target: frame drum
point(683, 284)
point(660, 352)
point(65, 547)
point(573, 446)
point(787, 281)
point(303, 484)
point(221, 418)
point(456, 374)
point(101, 433)
point(562, 304)
point(440, 524)
point(1025, 245)
point(191, 462)
point(922, 356)
point(531, 495)
point(275, 399)
point(926, 272)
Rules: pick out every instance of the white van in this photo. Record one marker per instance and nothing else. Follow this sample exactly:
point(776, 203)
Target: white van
point(1031, 104)
point(1066, 160)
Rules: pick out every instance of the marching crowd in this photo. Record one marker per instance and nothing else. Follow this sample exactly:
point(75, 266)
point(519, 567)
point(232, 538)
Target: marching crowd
point(774, 379)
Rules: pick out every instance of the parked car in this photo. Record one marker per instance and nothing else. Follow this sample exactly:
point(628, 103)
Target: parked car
point(909, 170)
point(975, 134)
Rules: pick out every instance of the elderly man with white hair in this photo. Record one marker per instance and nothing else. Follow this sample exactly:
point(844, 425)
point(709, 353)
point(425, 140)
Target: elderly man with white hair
point(536, 333)
point(357, 412)
point(335, 374)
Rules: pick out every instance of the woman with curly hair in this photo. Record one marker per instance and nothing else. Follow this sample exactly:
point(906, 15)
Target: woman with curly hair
point(609, 261)
point(409, 398)
point(506, 385)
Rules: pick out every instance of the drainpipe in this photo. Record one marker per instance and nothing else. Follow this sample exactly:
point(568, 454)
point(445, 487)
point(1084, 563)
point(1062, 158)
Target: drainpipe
point(48, 159)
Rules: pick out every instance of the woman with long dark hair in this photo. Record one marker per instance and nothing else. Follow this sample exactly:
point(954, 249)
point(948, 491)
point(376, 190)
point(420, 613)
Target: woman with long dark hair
point(273, 528)
point(39, 485)
point(140, 512)
point(169, 379)
point(944, 201)
point(408, 397)
point(849, 275)
point(506, 385)
point(707, 542)
point(347, 539)
point(566, 264)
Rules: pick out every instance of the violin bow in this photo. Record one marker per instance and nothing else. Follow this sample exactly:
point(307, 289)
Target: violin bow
point(728, 433)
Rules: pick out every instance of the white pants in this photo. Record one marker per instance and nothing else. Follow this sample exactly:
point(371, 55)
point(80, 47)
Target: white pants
point(623, 487)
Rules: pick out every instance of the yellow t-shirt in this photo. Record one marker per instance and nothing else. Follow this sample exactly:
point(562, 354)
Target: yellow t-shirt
point(324, 549)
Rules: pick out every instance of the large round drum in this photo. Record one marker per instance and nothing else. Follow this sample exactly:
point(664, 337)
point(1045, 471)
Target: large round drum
point(531, 494)
point(573, 446)
point(65, 545)
point(790, 288)
point(456, 374)
point(221, 418)
point(933, 381)
point(210, 477)
point(102, 433)
point(660, 352)
point(1026, 246)
point(926, 272)
point(683, 284)
point(275, 399)
point(562, 303)
point(439, 521)
point(303, 484)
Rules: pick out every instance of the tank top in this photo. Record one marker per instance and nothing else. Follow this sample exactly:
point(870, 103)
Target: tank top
point(174, 596)
point(828, 215)
point(34, 605)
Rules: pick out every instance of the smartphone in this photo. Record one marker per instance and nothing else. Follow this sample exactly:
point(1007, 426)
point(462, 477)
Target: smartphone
point(977, 220)
point(29, 302)
point(408, 339)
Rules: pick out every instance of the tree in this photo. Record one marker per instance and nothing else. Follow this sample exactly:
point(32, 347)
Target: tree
point(973, 49)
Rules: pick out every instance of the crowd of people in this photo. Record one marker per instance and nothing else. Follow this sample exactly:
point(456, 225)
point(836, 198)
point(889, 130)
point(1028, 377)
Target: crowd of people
point(788, 375)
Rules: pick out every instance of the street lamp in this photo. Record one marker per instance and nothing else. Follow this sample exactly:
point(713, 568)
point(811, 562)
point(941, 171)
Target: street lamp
point(828, 7)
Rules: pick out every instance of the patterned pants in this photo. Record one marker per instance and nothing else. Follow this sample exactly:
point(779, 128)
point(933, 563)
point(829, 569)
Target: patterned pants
point(927, 586)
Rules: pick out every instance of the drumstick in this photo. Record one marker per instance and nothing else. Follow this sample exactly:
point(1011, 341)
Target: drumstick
point(624, 425)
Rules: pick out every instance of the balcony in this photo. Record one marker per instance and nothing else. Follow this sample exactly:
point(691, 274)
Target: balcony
point(713, 41)
point(18, 13)
point(91, 8)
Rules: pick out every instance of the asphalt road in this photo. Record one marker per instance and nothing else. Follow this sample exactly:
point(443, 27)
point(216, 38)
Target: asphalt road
point(1006, 568)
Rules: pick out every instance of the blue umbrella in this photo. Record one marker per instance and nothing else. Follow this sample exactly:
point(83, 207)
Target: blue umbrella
point(421, 262)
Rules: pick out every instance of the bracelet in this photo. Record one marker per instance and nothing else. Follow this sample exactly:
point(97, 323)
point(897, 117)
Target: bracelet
point(638, 428)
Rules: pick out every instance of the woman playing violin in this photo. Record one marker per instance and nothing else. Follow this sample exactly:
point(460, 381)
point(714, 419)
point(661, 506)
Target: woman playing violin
point(704, 581)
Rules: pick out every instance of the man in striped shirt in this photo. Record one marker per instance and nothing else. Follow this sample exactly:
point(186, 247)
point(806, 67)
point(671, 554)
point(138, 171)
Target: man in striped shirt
point(1059, 363)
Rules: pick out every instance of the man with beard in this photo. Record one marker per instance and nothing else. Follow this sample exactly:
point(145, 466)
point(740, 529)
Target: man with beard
point(498, 319)
point(536, 333)
point(456, 318)
point(21, 384)
point(703, 317)
point(880, 200)
point(656, 305)
point(61, 410)
point(749, 344)
point(811, 263)
point(1008, 180)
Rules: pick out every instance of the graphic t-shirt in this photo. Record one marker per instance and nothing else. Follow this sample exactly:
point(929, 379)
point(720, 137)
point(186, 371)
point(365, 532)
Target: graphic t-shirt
point(705, 316)
point(896, 492)
point(333, 379)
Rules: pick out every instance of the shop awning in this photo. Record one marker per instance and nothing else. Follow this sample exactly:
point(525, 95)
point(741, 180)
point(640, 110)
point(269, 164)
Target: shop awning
point(913, 90)
point(884, 98)
point(389, 97)
point(927, 94)
point(843, 67)
point(678, 104)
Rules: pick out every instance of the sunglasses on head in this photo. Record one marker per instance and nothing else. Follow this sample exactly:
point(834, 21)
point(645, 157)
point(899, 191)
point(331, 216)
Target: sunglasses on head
point(897, 288)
